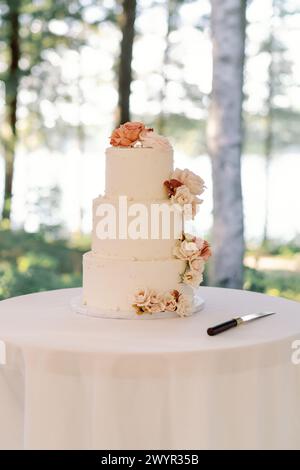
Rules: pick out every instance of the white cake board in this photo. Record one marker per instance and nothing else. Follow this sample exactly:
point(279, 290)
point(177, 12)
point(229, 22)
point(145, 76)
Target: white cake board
point(78, 307)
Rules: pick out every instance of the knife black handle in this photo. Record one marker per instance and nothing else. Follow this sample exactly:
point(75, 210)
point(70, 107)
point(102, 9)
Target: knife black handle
point(215, 330)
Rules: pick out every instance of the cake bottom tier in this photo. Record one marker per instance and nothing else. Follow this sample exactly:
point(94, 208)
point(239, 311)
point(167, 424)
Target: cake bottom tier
point(111, 284)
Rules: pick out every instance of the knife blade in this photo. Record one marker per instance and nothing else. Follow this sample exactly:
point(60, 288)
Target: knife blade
point(215, 330)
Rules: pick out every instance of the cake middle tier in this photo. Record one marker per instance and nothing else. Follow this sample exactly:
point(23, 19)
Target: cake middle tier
point(142, 230)
point(138, 173)
point(111, 284)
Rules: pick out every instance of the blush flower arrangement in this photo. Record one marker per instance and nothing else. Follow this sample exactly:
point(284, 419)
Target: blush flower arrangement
point(195, 251)
point(150, 301)
point(129, 134)
point(136, 134)
point(183, 187)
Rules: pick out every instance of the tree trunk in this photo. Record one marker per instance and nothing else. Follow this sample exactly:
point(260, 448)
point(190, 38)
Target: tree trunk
point(225, 140)
point(268, 149)
point(125, 72)
point(171, 12)
point(11, 97)
point(268, 145)
point(81, 140)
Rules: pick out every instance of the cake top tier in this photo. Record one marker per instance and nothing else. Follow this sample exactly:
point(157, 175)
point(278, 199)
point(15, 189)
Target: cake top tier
point(137, 163)
point(137, 173)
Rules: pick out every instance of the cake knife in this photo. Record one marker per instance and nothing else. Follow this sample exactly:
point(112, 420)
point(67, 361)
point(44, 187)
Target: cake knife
point(215, 330)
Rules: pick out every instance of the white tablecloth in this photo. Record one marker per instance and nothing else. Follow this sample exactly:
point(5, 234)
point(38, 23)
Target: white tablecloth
point(74, 382)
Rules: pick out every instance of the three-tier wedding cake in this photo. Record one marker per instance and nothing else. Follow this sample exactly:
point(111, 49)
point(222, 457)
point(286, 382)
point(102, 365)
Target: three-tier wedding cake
point(141, 261)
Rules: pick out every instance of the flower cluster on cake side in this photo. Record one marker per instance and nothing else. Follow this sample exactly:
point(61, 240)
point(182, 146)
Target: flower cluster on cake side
point(195, 252)
point(151, 301)
point(183, 188)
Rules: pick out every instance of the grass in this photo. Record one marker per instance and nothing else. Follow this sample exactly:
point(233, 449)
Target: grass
point(281, 282)
point(277, 283)
point(33, 263)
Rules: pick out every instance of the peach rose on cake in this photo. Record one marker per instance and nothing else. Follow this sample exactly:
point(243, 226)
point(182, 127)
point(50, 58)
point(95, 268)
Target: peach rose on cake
point(184, 305)
point(142, 297)
point(185, 301)
point(182, 196)
point(170, 302)
point(189, 179)
point(191, 249)
point(133, 130)
point(192, 278)
point(204, 249)
point(118, 139)
point(127, 134)
point(156, 303)
point(197, 264)
point(184, 249)
point(151, 139)
point(172, 186)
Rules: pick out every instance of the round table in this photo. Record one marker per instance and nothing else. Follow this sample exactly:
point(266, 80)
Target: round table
point(74, 382)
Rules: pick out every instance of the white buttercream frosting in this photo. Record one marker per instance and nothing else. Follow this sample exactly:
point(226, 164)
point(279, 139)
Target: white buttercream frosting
point(147, 248)
point(111, 284)
point(138, 173)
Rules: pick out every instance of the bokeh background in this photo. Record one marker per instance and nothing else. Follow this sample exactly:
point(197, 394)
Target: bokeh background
point(70, 71)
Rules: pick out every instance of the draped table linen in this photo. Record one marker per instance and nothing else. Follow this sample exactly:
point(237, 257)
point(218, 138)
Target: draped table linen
point(73, 382)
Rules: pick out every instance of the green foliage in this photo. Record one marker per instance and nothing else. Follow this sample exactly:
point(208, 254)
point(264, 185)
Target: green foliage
point(43, 29)
point(285, 131)
point(273, 248)
point(30, 263)
point(254, 280)
point(277, 283)
point(287, 250)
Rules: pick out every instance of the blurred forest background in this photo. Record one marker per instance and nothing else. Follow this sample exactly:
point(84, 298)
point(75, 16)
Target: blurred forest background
point(221, 78)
